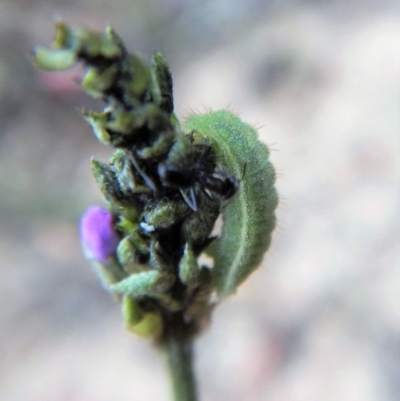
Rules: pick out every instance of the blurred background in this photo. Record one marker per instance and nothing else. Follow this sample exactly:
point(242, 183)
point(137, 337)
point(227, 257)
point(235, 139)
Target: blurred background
point(320, 321)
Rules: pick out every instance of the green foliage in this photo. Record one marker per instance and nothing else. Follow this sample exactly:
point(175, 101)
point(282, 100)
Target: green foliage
point(249, 218)
point(167, 186)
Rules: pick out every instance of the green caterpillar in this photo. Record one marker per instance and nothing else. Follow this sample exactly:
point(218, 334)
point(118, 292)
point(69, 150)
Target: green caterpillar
point(249, 218)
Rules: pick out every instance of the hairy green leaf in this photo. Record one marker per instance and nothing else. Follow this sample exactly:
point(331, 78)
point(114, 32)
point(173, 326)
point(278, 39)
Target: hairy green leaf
point(249, 218)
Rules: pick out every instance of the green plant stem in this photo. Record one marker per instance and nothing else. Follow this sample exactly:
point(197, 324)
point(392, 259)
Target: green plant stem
point(179, 349)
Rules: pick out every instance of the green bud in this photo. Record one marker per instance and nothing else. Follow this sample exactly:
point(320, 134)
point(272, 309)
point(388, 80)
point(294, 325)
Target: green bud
point(112, 46)
point(128, 225)
point(129, 256)
point(132, 230)
point(151, 326)
point(189, 271)
point(138, 81)
point(88, 44)
point(98, 80)
point(127, 175)
point(106, 178)
point(160, 260)
point(131, 311)
point(137, 239)
point(98, 121)
point(63, 38)
point(200, 307)
point(144, 284)
point(144, 324)
point(164, 212)
point(53, 60)
point(164, 79)
point(125, 122)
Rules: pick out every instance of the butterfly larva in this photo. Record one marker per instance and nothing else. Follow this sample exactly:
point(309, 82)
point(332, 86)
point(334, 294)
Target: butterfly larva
point(249, 218)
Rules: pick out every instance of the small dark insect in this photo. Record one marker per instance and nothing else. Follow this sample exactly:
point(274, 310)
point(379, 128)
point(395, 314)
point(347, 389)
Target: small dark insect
point(217, 182)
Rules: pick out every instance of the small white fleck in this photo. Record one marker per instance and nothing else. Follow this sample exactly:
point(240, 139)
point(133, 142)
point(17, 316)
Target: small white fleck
point(147, 227)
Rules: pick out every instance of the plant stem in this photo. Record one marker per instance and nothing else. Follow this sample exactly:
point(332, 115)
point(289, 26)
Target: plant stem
point(179, 349)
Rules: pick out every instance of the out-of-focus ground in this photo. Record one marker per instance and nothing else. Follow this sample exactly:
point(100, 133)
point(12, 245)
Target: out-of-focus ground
point(320, 321)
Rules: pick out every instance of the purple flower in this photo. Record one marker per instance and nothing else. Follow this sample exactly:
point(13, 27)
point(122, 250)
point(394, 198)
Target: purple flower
point(98, 236)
